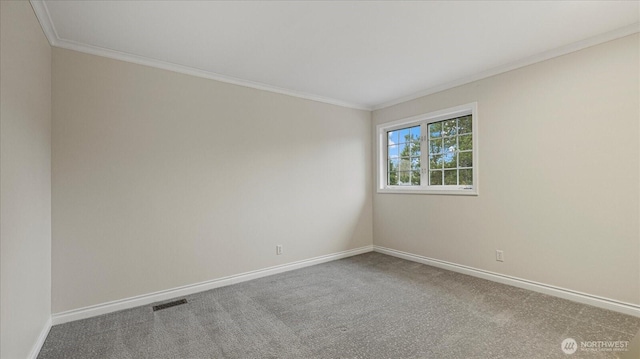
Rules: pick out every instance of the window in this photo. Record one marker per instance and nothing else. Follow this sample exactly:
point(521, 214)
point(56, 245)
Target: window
point(431, 153)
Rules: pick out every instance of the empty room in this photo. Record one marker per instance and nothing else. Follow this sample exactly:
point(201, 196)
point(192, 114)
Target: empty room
point(319, 179)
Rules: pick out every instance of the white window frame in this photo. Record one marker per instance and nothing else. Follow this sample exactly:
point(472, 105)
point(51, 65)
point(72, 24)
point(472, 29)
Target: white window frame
point(423, 120)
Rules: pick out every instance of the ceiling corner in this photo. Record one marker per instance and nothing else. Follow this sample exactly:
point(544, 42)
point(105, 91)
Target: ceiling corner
point(42, 13)
point(560, 51)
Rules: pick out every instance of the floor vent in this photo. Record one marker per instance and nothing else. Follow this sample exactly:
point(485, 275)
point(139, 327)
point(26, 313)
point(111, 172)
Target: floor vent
point(169, 305)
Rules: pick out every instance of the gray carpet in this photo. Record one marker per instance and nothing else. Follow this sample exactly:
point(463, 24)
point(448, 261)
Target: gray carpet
point(367, 306)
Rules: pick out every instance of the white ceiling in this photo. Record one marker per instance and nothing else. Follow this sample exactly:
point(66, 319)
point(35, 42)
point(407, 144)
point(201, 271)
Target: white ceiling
point(354, 53)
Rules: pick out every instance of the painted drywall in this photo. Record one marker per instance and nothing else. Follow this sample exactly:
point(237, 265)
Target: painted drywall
point(162, 179)
point(634, 348)
point(559, 176)
point(25, 177)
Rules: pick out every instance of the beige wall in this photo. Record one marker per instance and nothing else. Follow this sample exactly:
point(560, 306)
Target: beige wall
point(162, 179)
point(559, 176)
point(25, 177)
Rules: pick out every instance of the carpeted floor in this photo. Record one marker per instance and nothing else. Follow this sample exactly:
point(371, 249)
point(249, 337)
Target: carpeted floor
point(367, 306)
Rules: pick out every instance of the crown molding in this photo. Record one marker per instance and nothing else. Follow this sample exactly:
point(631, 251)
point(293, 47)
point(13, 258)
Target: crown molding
point(187, 70)
point(42, 13)
point(563, 50)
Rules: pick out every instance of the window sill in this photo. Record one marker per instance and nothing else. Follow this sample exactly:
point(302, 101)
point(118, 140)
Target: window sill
point(451, 192)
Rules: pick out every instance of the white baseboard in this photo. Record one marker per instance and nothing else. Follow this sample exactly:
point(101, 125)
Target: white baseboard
point(584, 298)
point(145, 299)
point(35, 350)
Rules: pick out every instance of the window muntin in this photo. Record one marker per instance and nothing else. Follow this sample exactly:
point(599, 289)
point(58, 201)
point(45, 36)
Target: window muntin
point(403, 156)
point(430, 153)
point(451, 152)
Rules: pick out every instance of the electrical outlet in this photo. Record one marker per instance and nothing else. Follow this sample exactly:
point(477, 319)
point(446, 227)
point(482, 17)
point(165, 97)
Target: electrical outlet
point(279, 249)
point(499, 255)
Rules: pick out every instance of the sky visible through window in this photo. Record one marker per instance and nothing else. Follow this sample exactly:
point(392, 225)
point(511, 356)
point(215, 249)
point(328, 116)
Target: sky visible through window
point(404, 156)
